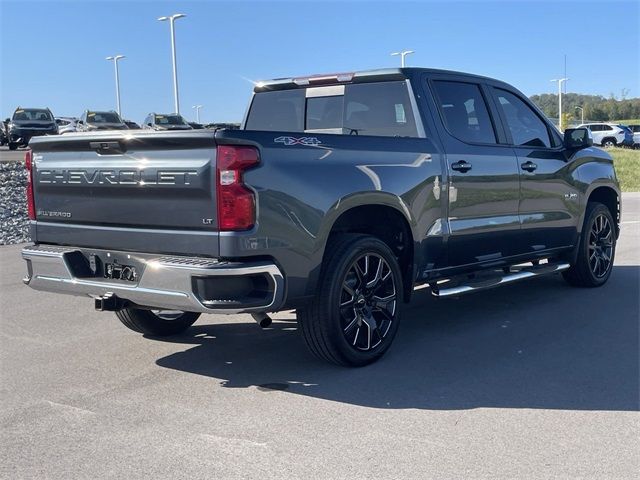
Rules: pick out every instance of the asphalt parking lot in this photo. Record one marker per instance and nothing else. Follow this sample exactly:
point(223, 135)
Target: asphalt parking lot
point(7, 155)
point(534, 380)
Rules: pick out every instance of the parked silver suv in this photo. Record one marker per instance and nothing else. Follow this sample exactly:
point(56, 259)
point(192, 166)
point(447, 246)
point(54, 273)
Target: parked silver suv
point(609, 134)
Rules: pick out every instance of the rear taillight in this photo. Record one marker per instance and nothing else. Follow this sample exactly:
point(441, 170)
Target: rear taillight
point(28, 165)
point(236, 202)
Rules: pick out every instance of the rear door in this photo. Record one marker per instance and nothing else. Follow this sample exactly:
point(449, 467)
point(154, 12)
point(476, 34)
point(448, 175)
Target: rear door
point(549, 204)
point(483, 184)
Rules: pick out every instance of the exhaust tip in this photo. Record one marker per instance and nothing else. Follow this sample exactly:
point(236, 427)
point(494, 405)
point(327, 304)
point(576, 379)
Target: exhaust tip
point(262, 319)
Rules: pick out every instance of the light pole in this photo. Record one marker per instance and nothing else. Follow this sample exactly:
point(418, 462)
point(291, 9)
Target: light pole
point(115, 64)
point(197, 107)
point(560, 82)
point(402, 54)
point(581, 114)
point(172, 19)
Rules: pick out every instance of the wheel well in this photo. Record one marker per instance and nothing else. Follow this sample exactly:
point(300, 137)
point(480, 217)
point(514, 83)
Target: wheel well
point(609, 138)
point(608, 197)
point(387, 224)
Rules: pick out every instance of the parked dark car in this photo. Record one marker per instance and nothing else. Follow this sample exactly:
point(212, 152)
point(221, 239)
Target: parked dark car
point(4, 139)
point(166, 121)
point(27, 123)
point(96, 120)
point(340, 195)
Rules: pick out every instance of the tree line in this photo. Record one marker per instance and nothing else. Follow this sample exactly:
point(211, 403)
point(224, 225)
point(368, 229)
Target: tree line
point(596, 107)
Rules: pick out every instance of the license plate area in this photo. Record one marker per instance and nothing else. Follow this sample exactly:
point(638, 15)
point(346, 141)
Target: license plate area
point(107, 266)
point(116, 271)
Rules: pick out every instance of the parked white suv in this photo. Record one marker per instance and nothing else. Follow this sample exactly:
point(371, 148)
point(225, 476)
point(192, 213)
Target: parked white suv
point(609, 134)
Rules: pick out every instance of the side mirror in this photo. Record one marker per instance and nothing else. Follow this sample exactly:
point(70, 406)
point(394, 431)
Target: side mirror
point(80, 122)
point(577, 138)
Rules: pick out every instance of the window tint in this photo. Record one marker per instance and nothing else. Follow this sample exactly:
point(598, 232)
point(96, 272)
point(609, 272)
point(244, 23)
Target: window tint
point(464, 111)
point(324, 112)
point(103, 117)
point(32, 114)
point(381, 108)
point(277, 111)
point(526, 127)
point(607, 127)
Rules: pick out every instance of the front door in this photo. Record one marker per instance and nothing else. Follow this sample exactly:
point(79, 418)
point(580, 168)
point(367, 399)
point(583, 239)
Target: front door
point(549, 204)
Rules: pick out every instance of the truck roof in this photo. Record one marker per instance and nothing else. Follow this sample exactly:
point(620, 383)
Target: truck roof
point(380, 74)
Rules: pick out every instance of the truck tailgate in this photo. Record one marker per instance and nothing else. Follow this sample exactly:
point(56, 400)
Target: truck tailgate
point(116, 184)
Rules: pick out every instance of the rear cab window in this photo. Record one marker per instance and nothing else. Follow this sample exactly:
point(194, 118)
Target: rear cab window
point(377, 109)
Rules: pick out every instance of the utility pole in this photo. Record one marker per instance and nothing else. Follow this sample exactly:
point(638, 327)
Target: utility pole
point(115, 64)
point(172, 20)
point(197, 107)
point(560, 82)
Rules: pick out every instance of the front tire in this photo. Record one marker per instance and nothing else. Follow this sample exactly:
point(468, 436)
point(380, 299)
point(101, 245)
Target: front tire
point(355, 314)
point(596, 250)
point(609, 143)
point(157, 323)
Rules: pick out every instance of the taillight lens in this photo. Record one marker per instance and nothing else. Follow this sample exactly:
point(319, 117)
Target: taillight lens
point(28, 165)
point(236, 202)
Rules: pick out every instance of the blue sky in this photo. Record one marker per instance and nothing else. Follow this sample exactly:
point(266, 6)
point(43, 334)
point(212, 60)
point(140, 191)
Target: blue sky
point(53, 53)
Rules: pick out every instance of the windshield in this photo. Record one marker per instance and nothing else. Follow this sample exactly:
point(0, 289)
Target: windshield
point(103, 117)
point(27, 114)
point(170, 120)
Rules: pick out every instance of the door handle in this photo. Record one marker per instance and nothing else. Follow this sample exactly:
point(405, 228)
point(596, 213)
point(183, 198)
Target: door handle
point(529, 166)
point(461, 166)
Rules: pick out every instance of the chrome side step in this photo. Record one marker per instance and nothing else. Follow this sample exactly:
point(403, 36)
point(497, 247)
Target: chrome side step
point(477, 284)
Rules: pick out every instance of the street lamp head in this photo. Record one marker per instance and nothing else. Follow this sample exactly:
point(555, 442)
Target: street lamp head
point(172, 17)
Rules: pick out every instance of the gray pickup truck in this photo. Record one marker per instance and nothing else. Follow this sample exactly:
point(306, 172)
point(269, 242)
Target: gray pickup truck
point(338, 197)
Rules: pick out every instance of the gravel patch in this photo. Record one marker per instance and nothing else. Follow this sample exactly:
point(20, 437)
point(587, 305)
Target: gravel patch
point(14, 221)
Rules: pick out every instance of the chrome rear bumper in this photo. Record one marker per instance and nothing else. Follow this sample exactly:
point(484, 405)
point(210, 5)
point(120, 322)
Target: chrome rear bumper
point(164, 282)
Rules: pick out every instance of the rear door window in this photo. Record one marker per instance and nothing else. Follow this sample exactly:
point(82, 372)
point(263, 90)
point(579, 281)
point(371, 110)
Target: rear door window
point(526, 127)
point(464, 111)
point(381, 109)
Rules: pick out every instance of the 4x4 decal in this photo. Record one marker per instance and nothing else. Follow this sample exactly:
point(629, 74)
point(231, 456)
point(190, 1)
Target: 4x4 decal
point(311, 141)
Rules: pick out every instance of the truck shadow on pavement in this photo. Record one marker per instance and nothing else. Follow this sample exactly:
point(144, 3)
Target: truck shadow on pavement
point(538, 344)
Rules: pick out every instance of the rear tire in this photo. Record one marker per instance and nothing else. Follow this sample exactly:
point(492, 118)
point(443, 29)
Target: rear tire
point(596, 250)
point(156, 323)
point(354, 316)
point(609, 142)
